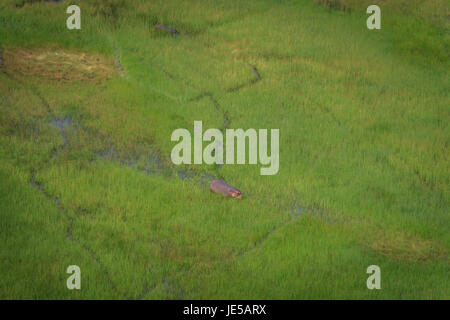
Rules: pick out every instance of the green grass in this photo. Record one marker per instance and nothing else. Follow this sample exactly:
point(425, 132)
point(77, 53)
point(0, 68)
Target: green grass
point(364, 158)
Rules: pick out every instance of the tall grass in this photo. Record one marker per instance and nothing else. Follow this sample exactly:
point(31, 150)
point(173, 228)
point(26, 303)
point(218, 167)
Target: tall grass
point(86, 176)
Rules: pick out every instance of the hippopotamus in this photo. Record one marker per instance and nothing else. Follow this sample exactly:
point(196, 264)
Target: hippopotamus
point(220, 186)
point(166, 28)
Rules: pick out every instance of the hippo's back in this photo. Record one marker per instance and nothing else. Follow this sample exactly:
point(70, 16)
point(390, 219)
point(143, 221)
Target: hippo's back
point(220, 186)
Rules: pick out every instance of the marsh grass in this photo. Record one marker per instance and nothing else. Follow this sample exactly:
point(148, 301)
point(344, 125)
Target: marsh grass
point(86, 177)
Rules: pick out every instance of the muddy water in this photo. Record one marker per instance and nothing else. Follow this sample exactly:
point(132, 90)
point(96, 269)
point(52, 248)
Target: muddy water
point(63, 124)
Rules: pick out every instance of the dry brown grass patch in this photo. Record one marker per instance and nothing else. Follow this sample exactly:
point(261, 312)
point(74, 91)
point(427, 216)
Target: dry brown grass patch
point(58, 65)
point(403, 247)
